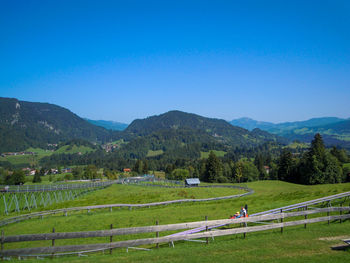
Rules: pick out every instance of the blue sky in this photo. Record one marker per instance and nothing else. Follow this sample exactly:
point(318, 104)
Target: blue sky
point(120, 60)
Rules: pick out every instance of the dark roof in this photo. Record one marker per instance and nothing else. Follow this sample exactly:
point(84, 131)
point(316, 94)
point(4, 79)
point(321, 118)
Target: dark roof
point(192, 181)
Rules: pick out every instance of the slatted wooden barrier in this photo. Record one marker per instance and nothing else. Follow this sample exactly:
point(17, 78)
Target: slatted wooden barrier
point(158, 228)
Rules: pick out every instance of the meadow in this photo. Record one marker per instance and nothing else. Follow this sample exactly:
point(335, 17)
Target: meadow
point(295, 245)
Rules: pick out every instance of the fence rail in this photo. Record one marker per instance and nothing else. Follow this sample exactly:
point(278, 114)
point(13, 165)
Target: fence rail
point(51, 187)
point(169, 227)
point(130, 206)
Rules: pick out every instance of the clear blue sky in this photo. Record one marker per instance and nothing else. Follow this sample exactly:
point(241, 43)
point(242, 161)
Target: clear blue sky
point(120, 60)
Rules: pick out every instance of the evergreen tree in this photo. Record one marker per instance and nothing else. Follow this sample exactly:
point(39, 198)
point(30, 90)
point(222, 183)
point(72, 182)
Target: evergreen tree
point(340, 154)
point(138, 167)
point(286, 166)
point(318, 166)
point(37, 177)
point(145, 167)
point(317, 147)
point(213, 168)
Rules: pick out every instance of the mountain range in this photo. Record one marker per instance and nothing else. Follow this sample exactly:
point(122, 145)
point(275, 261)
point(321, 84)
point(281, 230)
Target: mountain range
point(31, 124)
point(109, 125)
point(335, 131)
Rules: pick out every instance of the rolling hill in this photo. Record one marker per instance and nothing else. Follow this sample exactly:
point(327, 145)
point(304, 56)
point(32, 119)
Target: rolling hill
point(179, 133)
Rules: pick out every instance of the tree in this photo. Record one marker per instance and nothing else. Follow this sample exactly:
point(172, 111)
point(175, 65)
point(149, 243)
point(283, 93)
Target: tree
point(286, 166)
point(213, 168)
point(249, 172)
point(138, 167)
point(333, 171)
point(179, 174)
point(17, 178)
point(37, 177)
point(340, 154)
point(238, 171)
point(319, 166)
point(90, 172)
point(317, 147)
point(77, 173)
point(145, 167)
point(259, 163)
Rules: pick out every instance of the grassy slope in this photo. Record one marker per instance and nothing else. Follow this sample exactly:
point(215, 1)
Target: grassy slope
point(205, 155)
point(154, 153)
point(40, 153)
point(299, 245)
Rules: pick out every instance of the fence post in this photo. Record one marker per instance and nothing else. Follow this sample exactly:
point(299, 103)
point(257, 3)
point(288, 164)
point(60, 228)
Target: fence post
point(2, 242)
point(305, 216)
point(157, 233)
point(341, 212)
point(206, 229)
point(111, 240)
point(281, 221)
point(53, 241)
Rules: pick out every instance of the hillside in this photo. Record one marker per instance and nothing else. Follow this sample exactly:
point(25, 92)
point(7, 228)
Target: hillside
point(177, 134)
point(109, 125)
point(284, 127)
point(335, 131)
point(219, 131)
point(30, 124)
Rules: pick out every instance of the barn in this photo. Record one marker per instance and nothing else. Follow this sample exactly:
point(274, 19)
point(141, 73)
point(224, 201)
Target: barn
point(192, 182)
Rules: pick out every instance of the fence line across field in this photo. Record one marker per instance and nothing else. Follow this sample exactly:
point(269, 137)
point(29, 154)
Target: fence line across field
point(169, 227)
point(130, 206)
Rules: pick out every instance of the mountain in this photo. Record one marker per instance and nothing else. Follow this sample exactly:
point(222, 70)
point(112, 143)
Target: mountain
point(31, 124)
point(283, 127)
point(220, 130)
point(109, 125)
point(335, 131)
point(177, 134)
point(251, 124)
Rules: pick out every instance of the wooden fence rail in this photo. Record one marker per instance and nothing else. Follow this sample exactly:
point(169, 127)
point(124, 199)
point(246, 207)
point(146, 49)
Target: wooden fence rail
point(130, 206)
point(166, 239)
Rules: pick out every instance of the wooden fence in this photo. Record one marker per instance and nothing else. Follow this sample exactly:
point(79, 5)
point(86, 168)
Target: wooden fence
point(170, 227)
point(130, 206)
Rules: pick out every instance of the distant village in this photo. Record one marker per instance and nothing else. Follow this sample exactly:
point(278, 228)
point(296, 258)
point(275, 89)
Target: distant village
point(17, 153)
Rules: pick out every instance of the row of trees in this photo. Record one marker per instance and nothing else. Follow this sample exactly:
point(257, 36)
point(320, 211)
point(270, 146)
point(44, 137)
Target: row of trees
point(316, 166)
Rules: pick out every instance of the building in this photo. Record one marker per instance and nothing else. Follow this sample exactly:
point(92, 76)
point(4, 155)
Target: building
point(192, 182)
point(267, 169)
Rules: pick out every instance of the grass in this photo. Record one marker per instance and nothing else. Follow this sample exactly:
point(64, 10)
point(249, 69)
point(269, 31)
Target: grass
point(296, 145)
point(68, 149)
point(205, 155)
point(33, 160)
point(346, 165)
point(154, 153)
point(295, 245)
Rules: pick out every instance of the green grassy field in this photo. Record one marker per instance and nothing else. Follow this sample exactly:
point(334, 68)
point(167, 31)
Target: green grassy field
point(154, 153)
point(296, 145)
point(205, 155)
point(40, 153)
point(295, 245)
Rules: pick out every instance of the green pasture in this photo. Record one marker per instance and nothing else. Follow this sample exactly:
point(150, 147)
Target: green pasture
point(33, 160)
point(151, 153)
point(296, 244)
point(205, 155)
